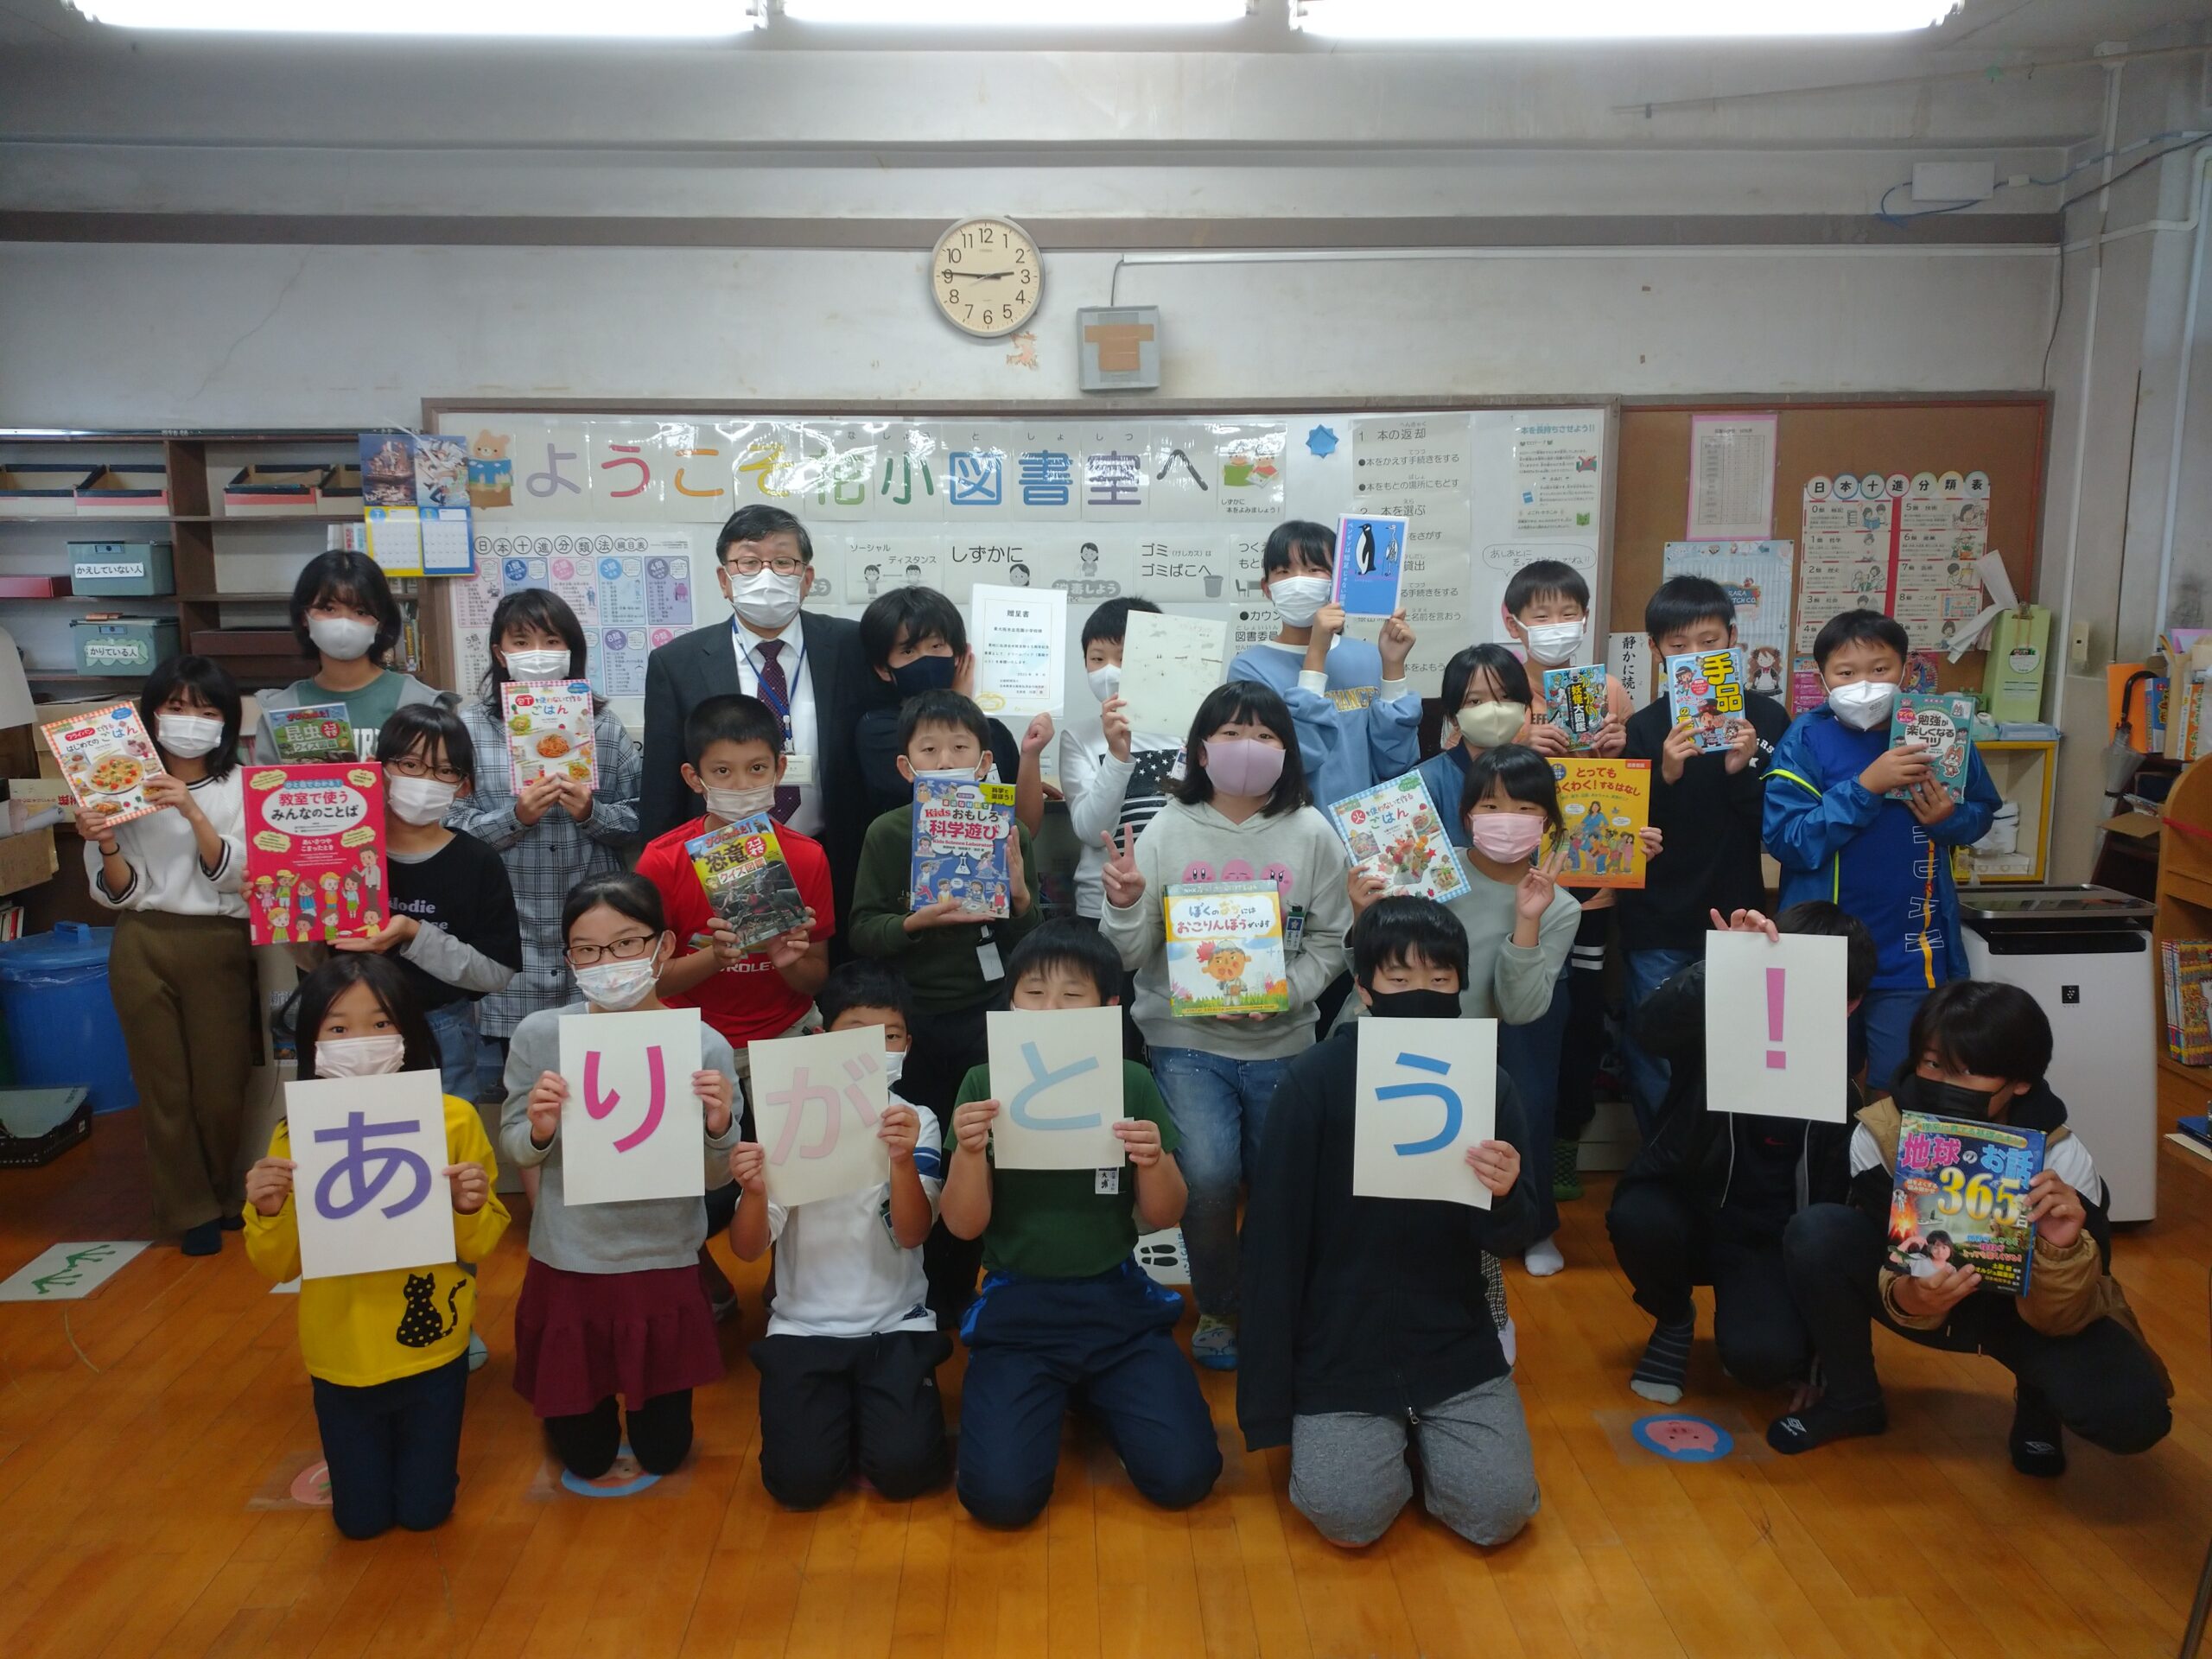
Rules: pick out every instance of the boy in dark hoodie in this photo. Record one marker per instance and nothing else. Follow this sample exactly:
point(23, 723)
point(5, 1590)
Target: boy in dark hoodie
point(1706, 1200)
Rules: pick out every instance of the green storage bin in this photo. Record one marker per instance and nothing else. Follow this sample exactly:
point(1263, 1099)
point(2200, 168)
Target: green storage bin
point(128, 645)
point(123, 569)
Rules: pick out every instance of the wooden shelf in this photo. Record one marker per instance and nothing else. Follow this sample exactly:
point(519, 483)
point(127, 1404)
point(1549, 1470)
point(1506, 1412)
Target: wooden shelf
point(93, 600)
point(270, 598)
point(226, 520)
point(2201, 1075)
point(57, 676)
point(2192, 890)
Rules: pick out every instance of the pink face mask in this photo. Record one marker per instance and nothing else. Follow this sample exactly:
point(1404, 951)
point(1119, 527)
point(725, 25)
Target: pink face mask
point(1507, 838)
point(1243, 765)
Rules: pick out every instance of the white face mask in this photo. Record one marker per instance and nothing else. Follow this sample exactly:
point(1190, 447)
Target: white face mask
point(1298, 599)
point(617, 986)
point(187, 736)
point(894, 1062)
point(1105, 682)
point(1863, 704)
point(1554, 643)
point(731, 804)
point(765, 599)
point(359, 1057)
point(537, 664)
point(341, 637)
point(418, 800)
point(949, 775)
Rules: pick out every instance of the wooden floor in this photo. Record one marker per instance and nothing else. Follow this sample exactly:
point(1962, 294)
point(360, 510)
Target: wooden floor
point(147, 1434)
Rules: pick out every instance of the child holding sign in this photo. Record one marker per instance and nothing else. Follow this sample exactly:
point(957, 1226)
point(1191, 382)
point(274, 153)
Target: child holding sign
point(387, 1351)
point(1366, 1320)
point(612, 1302)
point(1065, 1311)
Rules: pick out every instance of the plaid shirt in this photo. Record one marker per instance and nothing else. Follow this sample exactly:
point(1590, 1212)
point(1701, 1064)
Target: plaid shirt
point(545, 859)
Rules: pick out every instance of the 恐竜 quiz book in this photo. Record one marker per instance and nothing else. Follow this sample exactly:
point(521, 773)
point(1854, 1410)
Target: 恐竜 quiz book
point(960, 834)
point(1225, 949)
point(1945, 723)
point(742, 869)
point(1706, 692)
point(1961, 1198)
point(548, 730)
point(1394, 831)
point(1575, 700)
point(1603, 805)
point(315, 868)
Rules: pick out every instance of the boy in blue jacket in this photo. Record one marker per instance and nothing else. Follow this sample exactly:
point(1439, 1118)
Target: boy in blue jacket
point(1830, 823)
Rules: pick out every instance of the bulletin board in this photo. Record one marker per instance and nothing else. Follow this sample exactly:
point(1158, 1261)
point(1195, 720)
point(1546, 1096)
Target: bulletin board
point(2005, 438)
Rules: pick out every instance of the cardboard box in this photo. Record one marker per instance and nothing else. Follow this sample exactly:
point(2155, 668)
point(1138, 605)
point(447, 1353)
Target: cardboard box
point(123, 569)
point(125, 492)
point(26, 860)
point(274, 492)
point(51, 713)
point(42, 489)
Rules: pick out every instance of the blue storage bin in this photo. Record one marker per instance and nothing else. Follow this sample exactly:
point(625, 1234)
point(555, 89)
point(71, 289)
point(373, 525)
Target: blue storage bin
point(61, 1018)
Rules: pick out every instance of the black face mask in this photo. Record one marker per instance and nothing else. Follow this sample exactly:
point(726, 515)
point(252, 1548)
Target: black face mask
point(1414, 1005)
point(923, 674)
point(1941, 1099)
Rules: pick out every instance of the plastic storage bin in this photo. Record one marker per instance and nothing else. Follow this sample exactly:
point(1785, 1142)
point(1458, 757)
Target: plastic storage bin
point(123, 569)
point(128, 645)
point(61, 1018)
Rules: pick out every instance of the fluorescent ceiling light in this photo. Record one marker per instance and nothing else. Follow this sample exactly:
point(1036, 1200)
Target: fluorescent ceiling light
point(1609, 19)
point(1017, 14)
point(631, 19)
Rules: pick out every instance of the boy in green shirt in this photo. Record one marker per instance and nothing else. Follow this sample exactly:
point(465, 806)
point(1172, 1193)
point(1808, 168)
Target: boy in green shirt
point(1065, 1312)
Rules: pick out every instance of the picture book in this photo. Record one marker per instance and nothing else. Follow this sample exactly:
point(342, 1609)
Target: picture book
point(315, 868)
point(1395, 832)
point(960, 836)
point(106, 759)
point(1961, 1199)
point(548, 730)
point(1603, 803)
point(1945, 723)
point(1225, 949)
point(1370, 563)
point(742, 869)
point(1706, 692)
point(1575, 700)
point(313, 732)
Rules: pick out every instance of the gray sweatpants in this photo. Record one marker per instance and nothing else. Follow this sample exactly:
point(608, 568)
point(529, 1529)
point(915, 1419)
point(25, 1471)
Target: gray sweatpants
point(1348, 1474)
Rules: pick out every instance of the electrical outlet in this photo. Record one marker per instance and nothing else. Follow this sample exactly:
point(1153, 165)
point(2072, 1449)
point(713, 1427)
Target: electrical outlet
point(1953, 181)
point(2077, 649)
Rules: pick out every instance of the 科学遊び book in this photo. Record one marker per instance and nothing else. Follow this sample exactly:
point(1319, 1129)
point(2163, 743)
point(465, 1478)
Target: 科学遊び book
point(1961, 1199)
point(1225, 949)
point(742, 869)
point(960, 836)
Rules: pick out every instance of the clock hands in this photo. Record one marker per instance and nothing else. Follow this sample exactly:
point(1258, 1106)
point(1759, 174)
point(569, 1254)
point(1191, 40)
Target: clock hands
point(952, 275)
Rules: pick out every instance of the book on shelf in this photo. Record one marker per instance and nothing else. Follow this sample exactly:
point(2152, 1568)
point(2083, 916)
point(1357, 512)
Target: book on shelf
point(2185, 974)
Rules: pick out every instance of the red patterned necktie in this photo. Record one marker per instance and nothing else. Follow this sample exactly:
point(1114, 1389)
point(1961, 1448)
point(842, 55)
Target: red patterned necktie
point(776, 692)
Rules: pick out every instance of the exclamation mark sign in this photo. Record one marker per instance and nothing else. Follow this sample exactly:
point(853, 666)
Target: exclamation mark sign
point(1775, 1060)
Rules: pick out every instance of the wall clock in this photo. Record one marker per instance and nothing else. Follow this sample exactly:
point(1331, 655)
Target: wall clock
point(986, 277)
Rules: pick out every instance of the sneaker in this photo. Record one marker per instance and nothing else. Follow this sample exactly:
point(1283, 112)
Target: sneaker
point(1567, 1170)
point(479, 1355)
point(205, 1239)
point(1542, 1259)
point(1821, 1422)
point(1664, 1370)
point(2037, 1443)
point(1213, 1345)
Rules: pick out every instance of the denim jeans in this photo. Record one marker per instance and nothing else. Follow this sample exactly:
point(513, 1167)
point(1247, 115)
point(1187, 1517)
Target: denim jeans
point(454, 1026)
point(1530, 1055)
point(1881, 1025)
point(1645, 971)
point(1219, 1106)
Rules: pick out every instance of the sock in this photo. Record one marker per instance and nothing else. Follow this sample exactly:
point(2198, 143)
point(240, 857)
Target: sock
point(1542, 1259)
point(1665, 1366)
point(2036, 1442)
point(1821, 1422)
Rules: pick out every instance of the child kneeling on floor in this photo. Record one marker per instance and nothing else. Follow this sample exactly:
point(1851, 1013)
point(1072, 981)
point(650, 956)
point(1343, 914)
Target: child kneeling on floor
point(1366, 1320)
point(1066, 1315)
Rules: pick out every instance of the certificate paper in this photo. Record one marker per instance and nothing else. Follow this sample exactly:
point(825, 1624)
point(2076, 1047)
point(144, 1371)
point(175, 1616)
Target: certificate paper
point(1020, 638)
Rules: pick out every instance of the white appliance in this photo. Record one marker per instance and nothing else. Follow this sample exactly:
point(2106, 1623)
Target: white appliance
point(2084, 954)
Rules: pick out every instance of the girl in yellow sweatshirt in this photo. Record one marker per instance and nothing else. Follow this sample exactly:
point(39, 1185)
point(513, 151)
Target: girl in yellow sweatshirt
point(387, 1352)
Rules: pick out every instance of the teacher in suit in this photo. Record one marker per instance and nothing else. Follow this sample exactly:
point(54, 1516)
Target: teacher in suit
point(804, 666)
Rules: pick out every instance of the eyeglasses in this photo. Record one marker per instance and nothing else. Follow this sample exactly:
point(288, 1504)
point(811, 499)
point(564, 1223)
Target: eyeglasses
point(583, 955)
point(745, 564)
point(408, 765)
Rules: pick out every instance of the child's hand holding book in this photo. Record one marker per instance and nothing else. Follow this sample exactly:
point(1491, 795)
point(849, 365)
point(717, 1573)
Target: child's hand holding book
point(1904, 767)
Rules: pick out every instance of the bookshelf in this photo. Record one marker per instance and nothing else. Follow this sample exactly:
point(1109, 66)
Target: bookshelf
point(2184, 911)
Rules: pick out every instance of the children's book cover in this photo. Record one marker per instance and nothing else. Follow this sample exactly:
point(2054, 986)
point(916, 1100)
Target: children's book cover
point(1706, 692)
point(105, 757)
point(1603, 803)
point(1961, 1199)
point(1945, 724)
point(1370, 563)
point(315, 868)
point(313, 732)
point(1225, 949)
point(742, 869)
point(1395, 830)
point(548, 730)
point(960, 836)
point(1575, 700)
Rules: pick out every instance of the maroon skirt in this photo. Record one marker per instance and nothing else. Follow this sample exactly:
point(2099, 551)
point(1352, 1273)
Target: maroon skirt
point(580, 1336)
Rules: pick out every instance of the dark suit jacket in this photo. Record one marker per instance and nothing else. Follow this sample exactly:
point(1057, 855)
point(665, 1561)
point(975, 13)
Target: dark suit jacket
point(702, 663)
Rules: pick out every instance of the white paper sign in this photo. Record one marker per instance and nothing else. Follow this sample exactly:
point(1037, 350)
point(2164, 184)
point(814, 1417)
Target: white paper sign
point(631, 1128)
point(68, 1273)
point(1058, 1077)
point(816, 1102)
point(1168, 665)
point(1775, 1026)
point(1425, 1092)
point(1021, 636)
point(367, 1189)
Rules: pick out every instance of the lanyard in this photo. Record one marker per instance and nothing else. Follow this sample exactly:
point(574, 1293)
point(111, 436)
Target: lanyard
point(781, 708)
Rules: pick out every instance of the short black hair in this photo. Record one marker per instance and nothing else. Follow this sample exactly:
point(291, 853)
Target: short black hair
point(942, 708)
point(1819, 917)
point(415, 726)
point(732, 717)
point(330, 979)
point(1542, 578)
point(1981, 1027)
point(1244, 700)
point(1317, 542)
point(1526, 775)
point(623, 891)
point(757, 524)
point(534, 607)
point(1111, 619)
point(912, 614)
point(1494, 661)
point(1066, 943)
point(1391, 931)
point(212, 683)
point(355, 579)
point(1860, 627)
point(1939, 1237)
point(862, 983)
point(1684, 601)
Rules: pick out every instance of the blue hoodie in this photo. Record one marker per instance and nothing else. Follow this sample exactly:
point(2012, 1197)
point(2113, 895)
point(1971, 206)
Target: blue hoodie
point(1349, 736)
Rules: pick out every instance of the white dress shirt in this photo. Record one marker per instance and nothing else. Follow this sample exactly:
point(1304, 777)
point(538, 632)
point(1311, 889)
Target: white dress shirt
point(802, 737)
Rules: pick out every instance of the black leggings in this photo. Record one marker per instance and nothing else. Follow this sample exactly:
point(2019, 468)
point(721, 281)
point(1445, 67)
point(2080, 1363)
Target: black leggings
point(1584, 1041)
point(1665, 1244)
point(660, 1435)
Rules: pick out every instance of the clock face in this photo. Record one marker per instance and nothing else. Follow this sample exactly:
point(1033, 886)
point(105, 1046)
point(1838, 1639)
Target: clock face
point(986, 277)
